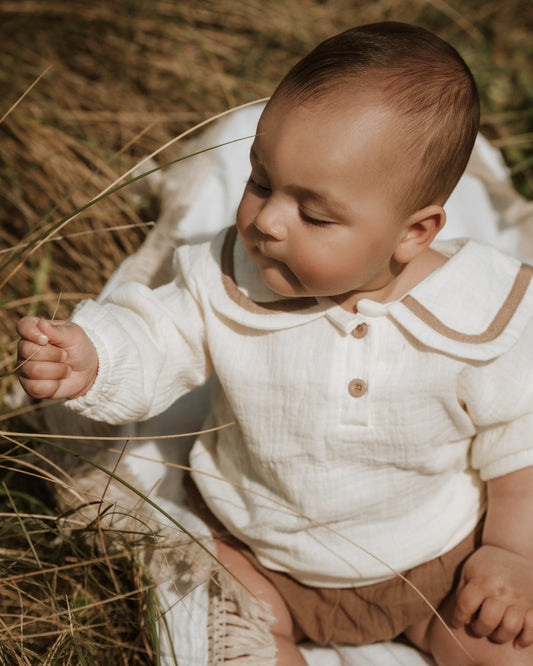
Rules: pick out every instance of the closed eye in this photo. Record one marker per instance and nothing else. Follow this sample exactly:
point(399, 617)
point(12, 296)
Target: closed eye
point(313, 220)
point(262, 190)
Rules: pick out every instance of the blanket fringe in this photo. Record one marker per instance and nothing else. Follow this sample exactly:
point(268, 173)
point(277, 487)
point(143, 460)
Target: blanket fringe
point(238, 626)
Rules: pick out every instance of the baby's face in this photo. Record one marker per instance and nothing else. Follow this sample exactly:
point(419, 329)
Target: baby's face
point(320, 214)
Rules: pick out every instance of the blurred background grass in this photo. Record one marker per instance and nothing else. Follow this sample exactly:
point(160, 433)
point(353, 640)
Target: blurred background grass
point(119, 79)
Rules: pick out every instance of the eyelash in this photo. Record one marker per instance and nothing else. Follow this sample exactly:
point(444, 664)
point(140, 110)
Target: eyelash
point(313, 220)
point(263, 191)
point(258, 188)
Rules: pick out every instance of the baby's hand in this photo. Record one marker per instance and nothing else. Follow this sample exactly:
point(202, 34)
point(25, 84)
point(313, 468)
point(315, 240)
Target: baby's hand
point(55, 359)
point(495, 596)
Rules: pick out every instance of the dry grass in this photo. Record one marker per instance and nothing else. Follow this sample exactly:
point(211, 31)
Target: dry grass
point(120, 79)
point(60, 602)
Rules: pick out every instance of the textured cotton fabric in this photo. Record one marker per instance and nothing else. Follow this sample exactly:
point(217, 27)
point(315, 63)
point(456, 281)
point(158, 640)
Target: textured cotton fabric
point(357, 435)
point(359, 615)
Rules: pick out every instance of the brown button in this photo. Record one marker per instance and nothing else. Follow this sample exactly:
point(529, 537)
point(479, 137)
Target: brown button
point(360, 331)
point(357, 388)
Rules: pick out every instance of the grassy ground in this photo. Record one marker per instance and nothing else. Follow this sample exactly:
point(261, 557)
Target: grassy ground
point(112, 82)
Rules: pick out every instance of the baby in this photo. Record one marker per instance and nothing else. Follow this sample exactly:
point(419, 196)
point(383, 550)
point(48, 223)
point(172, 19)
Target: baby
point(380, 384)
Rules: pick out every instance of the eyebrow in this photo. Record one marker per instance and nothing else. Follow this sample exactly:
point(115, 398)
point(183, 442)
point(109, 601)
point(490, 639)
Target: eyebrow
point(304, 192)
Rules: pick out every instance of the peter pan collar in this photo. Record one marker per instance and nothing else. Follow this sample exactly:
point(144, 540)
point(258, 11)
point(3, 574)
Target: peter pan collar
point(475, 306)
point(237, 291)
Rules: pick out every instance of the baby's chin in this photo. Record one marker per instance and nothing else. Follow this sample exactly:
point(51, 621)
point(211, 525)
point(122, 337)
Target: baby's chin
point(282, 281)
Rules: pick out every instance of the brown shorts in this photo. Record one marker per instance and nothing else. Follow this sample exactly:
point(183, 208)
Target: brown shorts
point(360, 615)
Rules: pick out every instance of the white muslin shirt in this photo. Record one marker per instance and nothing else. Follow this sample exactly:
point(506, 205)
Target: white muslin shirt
point(360, 440)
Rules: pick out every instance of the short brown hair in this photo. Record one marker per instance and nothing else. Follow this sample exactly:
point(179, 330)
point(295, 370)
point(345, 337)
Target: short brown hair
point(419, 76)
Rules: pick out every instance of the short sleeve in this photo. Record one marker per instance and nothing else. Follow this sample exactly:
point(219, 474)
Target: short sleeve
point(498, 396)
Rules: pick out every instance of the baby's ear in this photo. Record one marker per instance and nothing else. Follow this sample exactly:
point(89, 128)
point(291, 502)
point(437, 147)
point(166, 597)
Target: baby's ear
point(420, 230)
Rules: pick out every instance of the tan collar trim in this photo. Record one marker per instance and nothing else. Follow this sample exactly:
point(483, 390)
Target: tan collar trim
point(497, 325)
point(236, 295)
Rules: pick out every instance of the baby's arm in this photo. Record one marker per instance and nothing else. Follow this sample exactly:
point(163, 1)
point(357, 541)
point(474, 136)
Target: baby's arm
point(495, 592)
point(55, 359)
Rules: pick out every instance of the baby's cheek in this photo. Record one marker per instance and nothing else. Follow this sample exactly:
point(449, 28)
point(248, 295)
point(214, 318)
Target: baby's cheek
point(324, 276)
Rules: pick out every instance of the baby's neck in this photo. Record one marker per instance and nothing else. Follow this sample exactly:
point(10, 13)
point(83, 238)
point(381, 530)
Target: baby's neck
point(412, 274)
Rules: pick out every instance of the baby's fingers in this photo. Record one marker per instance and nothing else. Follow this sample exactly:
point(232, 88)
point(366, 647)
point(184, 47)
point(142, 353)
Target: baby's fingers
point(42, 379)
point(525, 638)
point(42, 370)
point(510, 626)
point(488, 618)
point(28, 328)
point(30, 350)
point(41, 388)
point(469, 599)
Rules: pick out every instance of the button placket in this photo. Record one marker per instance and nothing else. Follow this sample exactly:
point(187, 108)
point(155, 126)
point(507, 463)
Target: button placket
point(358, 387)
point(355, 389)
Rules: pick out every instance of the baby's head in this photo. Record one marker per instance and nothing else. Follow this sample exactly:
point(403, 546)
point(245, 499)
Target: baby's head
point(362, 143)
point(415, 74)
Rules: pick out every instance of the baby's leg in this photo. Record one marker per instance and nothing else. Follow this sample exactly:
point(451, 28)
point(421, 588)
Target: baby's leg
point(432, 637)
point(285, 632)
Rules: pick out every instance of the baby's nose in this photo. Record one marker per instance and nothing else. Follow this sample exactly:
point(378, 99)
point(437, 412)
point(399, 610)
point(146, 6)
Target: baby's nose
point(270, 222)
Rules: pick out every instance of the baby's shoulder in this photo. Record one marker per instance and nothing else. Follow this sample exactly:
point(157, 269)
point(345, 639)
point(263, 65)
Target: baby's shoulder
point(475, 306)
